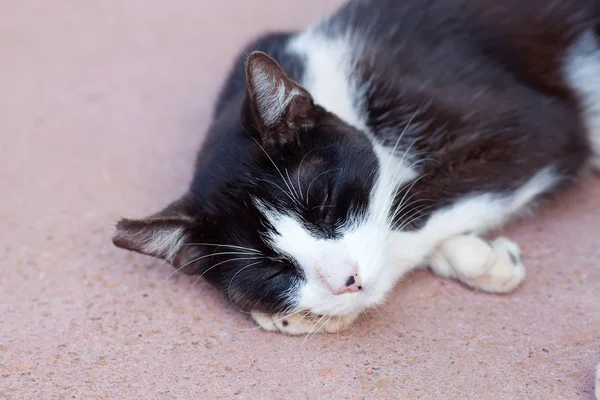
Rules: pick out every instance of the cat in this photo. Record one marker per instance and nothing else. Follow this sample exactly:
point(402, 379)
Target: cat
point(390, 136)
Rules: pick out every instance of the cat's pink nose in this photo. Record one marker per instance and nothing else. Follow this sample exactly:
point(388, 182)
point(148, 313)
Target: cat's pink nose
point(352, 284)
point(342, 278)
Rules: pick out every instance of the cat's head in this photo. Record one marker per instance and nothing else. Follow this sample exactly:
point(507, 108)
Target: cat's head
point(287, 212)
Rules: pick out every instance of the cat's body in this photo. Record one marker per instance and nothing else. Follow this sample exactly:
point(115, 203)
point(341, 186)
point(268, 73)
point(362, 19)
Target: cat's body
point(387, 137)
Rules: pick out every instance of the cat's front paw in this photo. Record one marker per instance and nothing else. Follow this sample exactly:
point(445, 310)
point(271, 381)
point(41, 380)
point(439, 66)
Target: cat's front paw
point(491, 267)
point(302, 323)
point(505, 270)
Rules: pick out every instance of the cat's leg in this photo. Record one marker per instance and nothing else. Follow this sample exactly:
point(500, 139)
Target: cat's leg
point(302, 323)
point(441, 240)
point(442, 243)
point(492, 267)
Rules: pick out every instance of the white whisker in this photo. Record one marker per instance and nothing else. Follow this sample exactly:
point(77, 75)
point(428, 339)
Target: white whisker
point(198, 259)
point(300, 320)
point(412, 203)
point(407, 191)
point(300, 167)
point(411, 214)
point(270, 159)
point(222, 245)
point(229, 260)
point(279, 187)
point(313, 328)
point(315, 178)
point(392, 153)
point(221, 263)
point(231, 281)
point(415, 219)
point(293, 188)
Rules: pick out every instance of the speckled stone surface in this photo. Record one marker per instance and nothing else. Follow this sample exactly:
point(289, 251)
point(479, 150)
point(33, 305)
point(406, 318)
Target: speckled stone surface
point(103, 104)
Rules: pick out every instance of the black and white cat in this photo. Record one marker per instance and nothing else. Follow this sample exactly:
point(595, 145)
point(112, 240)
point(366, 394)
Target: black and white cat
point(388, 137)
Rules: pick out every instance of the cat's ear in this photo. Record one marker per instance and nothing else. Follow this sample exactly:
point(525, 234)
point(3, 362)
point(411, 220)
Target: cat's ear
point(278, 105)
point(165, 235)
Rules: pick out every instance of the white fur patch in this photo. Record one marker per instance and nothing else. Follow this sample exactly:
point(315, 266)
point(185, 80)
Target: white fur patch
point(542, 182)
point(396, 169)
point(360, 246)
point(167, 242)
point(582, 69)
point(327, 77)
point(271, 97)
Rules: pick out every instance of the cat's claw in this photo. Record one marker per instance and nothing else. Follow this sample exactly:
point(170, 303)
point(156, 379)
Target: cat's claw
point(491, 267)
point(302, 323)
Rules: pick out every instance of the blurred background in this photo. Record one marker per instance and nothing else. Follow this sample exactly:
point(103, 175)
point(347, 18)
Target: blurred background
point(103, 105)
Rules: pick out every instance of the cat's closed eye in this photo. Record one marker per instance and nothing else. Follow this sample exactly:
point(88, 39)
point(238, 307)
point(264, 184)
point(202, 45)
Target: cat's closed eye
point(327, 211)
point(323, 214)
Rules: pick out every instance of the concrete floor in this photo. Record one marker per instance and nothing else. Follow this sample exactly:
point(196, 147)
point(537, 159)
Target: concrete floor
point(103, 104)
